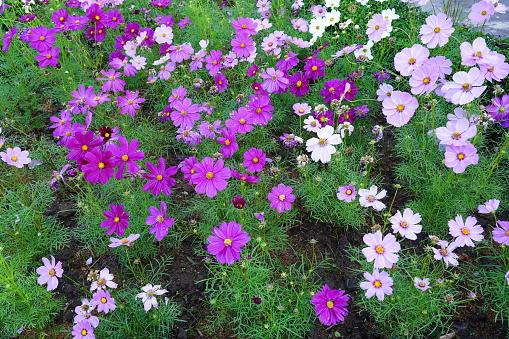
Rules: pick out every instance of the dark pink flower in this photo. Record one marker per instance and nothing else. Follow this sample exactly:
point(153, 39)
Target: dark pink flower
point(130, 103)
point(159, 221)
point(330, 305)
point(185, 113)
point(213, 62)
point(229, 140)
point(227, 241)
point(281, 198)
point(48, 58)
point(209, 177)
point(254, 160)
point(116, 220)
point(260, 110)
point(99, 167)
point(125, 155)
point(160, 178)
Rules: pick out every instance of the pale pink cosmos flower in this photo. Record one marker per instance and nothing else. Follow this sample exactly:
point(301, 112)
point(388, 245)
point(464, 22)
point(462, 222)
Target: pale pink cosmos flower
point(406, 223)
point(465, 87)
point(494, 67)
point(436, 31)
point(311, 124)
point(489, 206)
point(49, 273)
point(481, 11)
point(399, 108)
point(275, 80)
point(456, 132)
point(446, 253)
point(501, 232)
point(103, 301)
point(459, 157)
point(148, 296)
point(410, 58)
point(474, 53)
point(370, 197)
point(422, 284)
point(104, 280)
point(124, 241)
point(424, 79)
point(377, 26)
point(378, 283)
point(322, 147)
point(15, 157)
point(384, 91)
point(301, 108)
point(381, 249)
point(441, 64)
point(466, 231)
point(499, 8)
point(163, 34)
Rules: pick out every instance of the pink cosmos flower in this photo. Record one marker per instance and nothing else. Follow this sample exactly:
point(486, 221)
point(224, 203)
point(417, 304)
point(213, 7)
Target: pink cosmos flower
point(370, 197)
point(83, 330)
point(99, 166)
point(481, 11)
point(410, 58)
point(437, 30)
point(15, 157)
point(466, 231)
point(103, 301)
point(377, 26)
point(209, 177)
point(185, 113)
point(399, 108)
point(474, 53)
point(112, 82)
point(49, 273)
point(229, 140)
point(105, 279)
point(130, 103)
point(381, 249)
point(275, 80)
point(259, 109)
point(213, 62)
point(406, 223)
point(424, 79)
point(459, 157)
point(243, 45)
point(41, 38)
point(422, 284)
point(501, 233)
point(148, 296)
point(125, 155)
point(48, 57)
point(347, 193)
point(254, 160)
point(489, 207)
point(494, 67)
point(124, 241)
point(456, 132)
point(240, 121)
point(159, 221)
point(160, 178)
point(446, 253)
point(465, 88)
point(227, 241)
point(378, 283)
point(301, 108)
point(116, 220)
point(281, 198)
point(244, 25)
point(322, 147)
point(330, 305)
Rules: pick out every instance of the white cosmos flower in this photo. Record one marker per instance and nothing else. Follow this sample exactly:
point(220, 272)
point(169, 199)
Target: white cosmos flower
point(321, 148)
point(148, 296)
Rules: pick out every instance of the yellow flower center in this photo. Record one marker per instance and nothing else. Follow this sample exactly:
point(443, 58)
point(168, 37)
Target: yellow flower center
point(444, 251)
point(371, 198)
point(330, 304)
point(129, 102)
point(314, 68)
point(400, 108)
point(461, 156)
point(377, 283)
point(282, 197)
point(403, 224)
point(209, 175)
point(243, 26)
point(104, 300)
point(456, 135)
point(331, 89)
point(242, 45)
point(42, 38)
point(322, 141)
point(426, 81)
point(125, 158)
point(242, 121)
point(255, 160)
point(348, 192)
point(184, 113)
point(159, 177)
point(84, 332)
point(97, 17)
point(48, 56)
point(52, 272)
point(301, 110)
point(100, 282)
point(412, 61)
point(227, 242)
point(116, 219)
point(299, 83)
point(377, 28)
point(258, 110)
point(160, 218)
point(507, 232)
point(125, 241)
point(437, 30)
point(484, 12)
point(84, 148)
point(379, 249)
point(14, 158)
point(214, 62)
point(227, 142)
point(465, 231)
point(422, 284)
point(101, 165)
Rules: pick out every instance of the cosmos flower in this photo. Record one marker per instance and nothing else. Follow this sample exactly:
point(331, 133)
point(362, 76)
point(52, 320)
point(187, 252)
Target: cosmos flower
point(49, 273)
point(466, 231)
point(105, 279)
point(489, 206)
point(116, 220)
point(501, 232)
point(410, 58)
point(406, 223)
point(371, 198)
point(322, 147)
point(446, 253)
point(381, 249)
point(459, 157)
point(437, 30)
point(422, 284)
point(210, 177)
point(465, 87)
point(399, 108)
point(227, 241)
point(330, 305)
point(148, 296)
point(347, 193)
point(281, 198)
point(378, 283)
point(15, 157)
point(103, 301)
point(159, 222)
point(124, 241)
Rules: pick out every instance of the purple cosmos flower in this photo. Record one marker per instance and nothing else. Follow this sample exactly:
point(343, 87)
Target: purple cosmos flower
point(125, 155)
point(370, 197)
point(8, 37)
point(99, 166)
point(275, 81)
point(240, 122)
point(437, 30)
point(315, 68)
point(185, 113)
point(187, 167)
point(330, 305)
point(227, 241)
point(130, 102)
point(410, 58)
point(229, 140)
point(494, 67)
point(259, 109)
point(334, 89)
point(105, 279)
point(446, 253)
point(124, 241)
point(243, 45)
point(245, 177)
point(489, 206)
point(15, 157)
point(459, 157)
point(159, 221)
point(456, 132)
point(103, 301)
point(322, 147)
point(83, 330)
point(209, 177)
point(48, 57)
point(148, 296)
point(501, 232)
point(481, 11)
point(239, 202)
point(466, 86)
point(160, 178)
point(116, 220)
point(288, 62)
point(474, 53)
point(299, 84)
point(378, 283)
point(244, 25)
point(406, 223)
point(377, 26)
point(399, 108)
point(252, 70)
point(41, 38)
point(422, 284)
point(301, 108)
point(381, 249)
point(281, 198)
point(221, 82)
point(254, 160)
point(347, 193)
point(49, 273)
point(466, 231)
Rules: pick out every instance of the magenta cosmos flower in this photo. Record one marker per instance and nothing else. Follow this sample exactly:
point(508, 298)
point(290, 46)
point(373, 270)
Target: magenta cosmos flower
point(465, 87)
point(381, 249)
point(159, 221)
point(501, 232)
point(399, 108)
point(130, 103)
point(48, 58)
point(209, 177)
point(436, 31)
point(330, 305)
point(254, 160)
point(160, 178)
point(347, 193)
point(117, 220)
point(185, 113)
point(465, 232)
point(281, 198)
point(103, 301)
point(125, 155)
point(275, 80)
point(422, 284)
point(370, 197)
point(378, 283)
point(406, 223)
point(99, 166)
point(49, 273)
point(459, 157)
point(15, 157)
point(227, 241)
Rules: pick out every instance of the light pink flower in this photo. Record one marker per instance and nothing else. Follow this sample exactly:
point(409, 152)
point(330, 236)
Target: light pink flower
point(459, 157)
point(381, 249)
point(422, 284)
point(489, 206)
point(378, 283)
point(377, 26)
point(399, 108)
point(437, 30)
point(474, 53)
point(406, 223)
point(466, 231)
point(104, 280)
point(49, 273)
point(456, 133)
point(410, 58)
point(370, 197)
point(446, 253)
point(465, 88)
point(481, 11)
point(15, 157)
